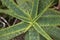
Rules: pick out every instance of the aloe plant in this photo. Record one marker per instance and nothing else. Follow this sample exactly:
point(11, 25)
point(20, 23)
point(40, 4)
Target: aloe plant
point(39, 22)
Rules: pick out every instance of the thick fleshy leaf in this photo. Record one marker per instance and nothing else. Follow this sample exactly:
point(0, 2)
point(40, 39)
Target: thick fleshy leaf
point(44, 5)
point(11, 5)
point(13, 31)
point(35, 9)
point(50, 18)
point(32, 35)
point(41, 31)
point(54, 32)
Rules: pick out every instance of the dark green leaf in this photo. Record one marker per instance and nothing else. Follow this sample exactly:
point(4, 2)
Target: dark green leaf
point(17, 11)
point(11, 13)
point(50, 18)
point(32, 35)
point(54, 32)
point(44, 5)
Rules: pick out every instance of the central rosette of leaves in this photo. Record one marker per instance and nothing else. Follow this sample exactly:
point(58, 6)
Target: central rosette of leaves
point(34, 17)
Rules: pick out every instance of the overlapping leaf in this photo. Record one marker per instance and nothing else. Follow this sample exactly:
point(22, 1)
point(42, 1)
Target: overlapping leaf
point(42, 22)
point(11, 31)
point(10, 12)
point(53, 31)
point(41, 31)
point(44, 5)
point(17, 11)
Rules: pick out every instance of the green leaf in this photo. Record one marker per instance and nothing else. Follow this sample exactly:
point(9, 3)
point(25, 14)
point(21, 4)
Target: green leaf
point(10, 32)
point(32, 35)
point(41, 31)
point(46, 20)
point(18, 11)
point(44, 5)
point(26, 5)
point(50, 18)
point(34, 9)
point(51, 11)
point(11, 36)
point(42, 38)
point(11, 13)
point(53, 31)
